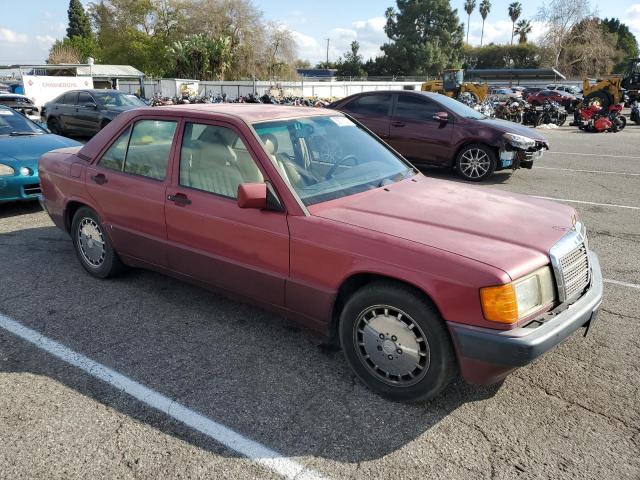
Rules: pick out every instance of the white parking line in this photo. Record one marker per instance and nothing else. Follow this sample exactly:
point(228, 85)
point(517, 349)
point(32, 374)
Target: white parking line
point(591, 154)
point(235, 441)
point(588, 171)
point(624, 284)
point(587, 203)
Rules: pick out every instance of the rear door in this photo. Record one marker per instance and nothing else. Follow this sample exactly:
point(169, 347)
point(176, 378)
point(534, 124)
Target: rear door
point(67, 112)
point(373, 111)
point(86, 114)
point(128, 182)
point(245, 251)
point(415, 134)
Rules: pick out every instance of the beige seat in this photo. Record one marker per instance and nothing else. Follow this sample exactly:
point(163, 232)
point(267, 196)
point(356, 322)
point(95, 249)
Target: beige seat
point(288, 171)
point(211, 167)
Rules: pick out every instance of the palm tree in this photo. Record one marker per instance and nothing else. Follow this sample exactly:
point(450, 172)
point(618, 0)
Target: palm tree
point(515, 9)
point(523, 28)
point(469, 7)
point(485, 8)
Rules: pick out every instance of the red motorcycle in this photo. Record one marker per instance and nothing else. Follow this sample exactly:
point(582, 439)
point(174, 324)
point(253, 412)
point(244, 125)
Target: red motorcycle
point(596, 119)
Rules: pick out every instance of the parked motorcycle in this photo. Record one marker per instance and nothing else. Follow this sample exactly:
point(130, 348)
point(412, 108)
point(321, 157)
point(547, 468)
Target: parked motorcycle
point(596, 119)
point(635, 112)
point(510, 110)
point(551, 113)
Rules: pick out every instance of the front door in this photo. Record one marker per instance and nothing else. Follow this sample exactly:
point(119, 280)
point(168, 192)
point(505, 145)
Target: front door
point(416, 135)
point(129, 183)
point(245, 251)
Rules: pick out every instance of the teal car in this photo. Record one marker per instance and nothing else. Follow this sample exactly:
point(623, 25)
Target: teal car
point(22, 143)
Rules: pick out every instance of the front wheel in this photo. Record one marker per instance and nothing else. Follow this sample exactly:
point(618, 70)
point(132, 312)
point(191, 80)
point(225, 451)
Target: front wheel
point(54, 126)
point(476, 162)
point(396, 342)
point(93, 246)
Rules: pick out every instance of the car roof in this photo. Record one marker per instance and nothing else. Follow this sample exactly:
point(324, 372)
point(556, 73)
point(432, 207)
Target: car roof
point(248, 112)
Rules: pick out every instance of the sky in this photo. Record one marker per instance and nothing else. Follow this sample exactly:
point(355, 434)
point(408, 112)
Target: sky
point(28, 28)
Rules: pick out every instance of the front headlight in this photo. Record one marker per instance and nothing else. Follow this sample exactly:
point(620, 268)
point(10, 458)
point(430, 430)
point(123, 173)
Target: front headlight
point(519, 141)
point(516, 300)
point(6, 170)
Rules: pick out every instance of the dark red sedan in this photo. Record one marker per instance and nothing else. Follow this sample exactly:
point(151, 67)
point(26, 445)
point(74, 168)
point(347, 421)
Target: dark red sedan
point(433, 129)
point(306, 213)
point(563, 98)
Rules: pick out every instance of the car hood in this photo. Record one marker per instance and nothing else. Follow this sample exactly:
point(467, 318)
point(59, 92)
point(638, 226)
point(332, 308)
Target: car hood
point(506, 126)
point(508, 231)
point(25, 151)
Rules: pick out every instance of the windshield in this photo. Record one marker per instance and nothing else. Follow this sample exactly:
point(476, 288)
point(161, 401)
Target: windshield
point(328, 157)
point(12, 123)
point(457, 107)
point(114, 99)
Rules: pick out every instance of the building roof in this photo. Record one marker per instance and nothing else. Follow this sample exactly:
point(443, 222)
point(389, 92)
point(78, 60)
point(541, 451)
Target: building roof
point(110, 71)
point(514, 73)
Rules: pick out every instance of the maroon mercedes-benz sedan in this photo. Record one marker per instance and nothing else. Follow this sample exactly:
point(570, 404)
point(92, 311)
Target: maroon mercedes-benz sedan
point(303, 211)
point(433, 129)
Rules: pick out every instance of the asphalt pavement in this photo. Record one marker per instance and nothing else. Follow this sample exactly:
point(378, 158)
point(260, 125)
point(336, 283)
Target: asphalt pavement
point(575, 413)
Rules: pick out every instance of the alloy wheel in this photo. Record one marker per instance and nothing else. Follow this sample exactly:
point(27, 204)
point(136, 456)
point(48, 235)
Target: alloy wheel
point(475, 163)
point(391, 345)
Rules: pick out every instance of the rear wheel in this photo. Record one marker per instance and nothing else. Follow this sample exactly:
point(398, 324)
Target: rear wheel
point(93, 246)
point(601, 99)
point(396, 342)
point(476, 162)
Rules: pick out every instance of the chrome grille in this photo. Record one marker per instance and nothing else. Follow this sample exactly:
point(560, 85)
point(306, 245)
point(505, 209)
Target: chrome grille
point(574, 268)
point(570, 261)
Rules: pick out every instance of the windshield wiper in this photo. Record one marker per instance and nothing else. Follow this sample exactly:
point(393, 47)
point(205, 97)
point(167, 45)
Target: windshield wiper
point(20, 134)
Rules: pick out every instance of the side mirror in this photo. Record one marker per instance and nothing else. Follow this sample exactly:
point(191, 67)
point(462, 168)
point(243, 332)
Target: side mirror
point(442, 117)
point(90, 106)
point(252, 195)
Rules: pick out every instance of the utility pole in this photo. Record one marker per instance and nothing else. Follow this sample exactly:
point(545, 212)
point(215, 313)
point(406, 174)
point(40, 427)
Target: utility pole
point(328, 40)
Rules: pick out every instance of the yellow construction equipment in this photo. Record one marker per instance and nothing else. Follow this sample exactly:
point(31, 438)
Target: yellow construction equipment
point(610, 90)
point(453, 85)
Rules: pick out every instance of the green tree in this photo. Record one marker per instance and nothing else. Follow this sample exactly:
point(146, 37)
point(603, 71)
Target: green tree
point(79, 25)
point(426, 37)
point(469, 7)
point(515, 10)
point(76, 49)
point(523, 28)
point(201, 57)
point(626, 42)
point(503, 56)
point(485, 8)
point(351, 65)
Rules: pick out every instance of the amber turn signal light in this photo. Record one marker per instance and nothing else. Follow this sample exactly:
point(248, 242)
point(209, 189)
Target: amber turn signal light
point(499, 303)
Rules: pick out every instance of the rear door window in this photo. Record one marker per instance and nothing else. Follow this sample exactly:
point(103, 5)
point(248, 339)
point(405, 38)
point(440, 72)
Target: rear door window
point(370, 105)
point(414, 108)
point(84, 98)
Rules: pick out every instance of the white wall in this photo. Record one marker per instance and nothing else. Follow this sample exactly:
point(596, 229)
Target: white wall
point(237, 88)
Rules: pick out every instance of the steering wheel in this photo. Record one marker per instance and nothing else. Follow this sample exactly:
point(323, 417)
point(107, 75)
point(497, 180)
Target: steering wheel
point(335, 166)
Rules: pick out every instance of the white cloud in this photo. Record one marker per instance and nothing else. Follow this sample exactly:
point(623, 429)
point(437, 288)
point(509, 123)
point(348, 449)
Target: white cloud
point(500, 32)
point(9, 36)
point(369, 33)
point(632, 18)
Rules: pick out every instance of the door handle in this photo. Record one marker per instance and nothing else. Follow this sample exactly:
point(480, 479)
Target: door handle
point(398, 124)
point(100, 179)
point(179, 199)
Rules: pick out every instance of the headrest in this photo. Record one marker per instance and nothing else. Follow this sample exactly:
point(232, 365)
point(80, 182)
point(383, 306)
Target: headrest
point(270, 143)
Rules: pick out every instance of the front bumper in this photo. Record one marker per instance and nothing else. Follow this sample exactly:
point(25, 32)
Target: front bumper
point(18, 187)
point(509, 349)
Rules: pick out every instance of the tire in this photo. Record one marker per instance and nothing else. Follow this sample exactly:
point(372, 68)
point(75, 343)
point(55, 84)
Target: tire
point(562, 119)
point(620, 123)
point(542, 120)
point(54, 126)
point(600, 98)
point(377, 322)
point(93, 246)
point(476, 162)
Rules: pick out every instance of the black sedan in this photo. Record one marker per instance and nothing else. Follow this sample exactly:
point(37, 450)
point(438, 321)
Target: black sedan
point(86, 112)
